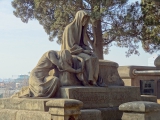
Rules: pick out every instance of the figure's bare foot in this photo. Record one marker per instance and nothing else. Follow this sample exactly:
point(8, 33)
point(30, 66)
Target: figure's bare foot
point(92, 83)
point(85, 83)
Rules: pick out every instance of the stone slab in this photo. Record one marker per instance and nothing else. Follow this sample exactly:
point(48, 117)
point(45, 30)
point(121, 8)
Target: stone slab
point(90, 114)
point(139, 106)
point(64, 111)
point(141, 116)
point(7, 114)
point(32, 115)
point(64, 103)
point(24, 104)
point(101, 97)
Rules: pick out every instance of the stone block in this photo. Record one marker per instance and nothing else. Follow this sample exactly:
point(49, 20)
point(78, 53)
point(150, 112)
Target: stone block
point(64, 111)
point(139, 106)
point(111, 113)
point(109, 73)
point(101, 97)
point(141, 116)
point(24, 104)
point(6, 114)
point(64, 103)
point(150, 98)
point(140, 110)
point(32, 115)
point(90, 114)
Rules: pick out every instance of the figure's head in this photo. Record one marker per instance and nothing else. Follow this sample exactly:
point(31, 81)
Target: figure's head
point(83, 16)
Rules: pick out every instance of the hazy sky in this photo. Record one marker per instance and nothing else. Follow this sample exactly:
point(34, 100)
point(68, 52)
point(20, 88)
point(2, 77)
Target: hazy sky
point(21, 45)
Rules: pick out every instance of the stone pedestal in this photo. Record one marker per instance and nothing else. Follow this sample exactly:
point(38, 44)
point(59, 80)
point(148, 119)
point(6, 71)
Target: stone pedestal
point(99, 103)
point(140, 110)
point(64, 109)
point(101, 97)
point(109, 73)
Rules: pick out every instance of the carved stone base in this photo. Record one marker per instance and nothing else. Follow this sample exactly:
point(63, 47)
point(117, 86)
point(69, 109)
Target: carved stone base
point(101, 97)
point(109, 73)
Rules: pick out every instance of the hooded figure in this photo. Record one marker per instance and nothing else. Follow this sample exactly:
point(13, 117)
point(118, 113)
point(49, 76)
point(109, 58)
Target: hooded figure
point(75, 40)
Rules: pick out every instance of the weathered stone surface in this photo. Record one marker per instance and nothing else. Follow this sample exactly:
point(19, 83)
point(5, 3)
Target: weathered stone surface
point(111, 113)
point(140, 106)
point(24, 104)
point(150, 98)
point(141, 116)
point(101, 97)
point(109, 73)
point(64, 103)
point(32, 115)
point(7, 114)
point(67, 117)
point(64, 111)
point(90, 114)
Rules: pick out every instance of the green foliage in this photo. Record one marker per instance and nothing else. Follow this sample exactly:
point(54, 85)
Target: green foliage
point(122, 24)
point(151, 26)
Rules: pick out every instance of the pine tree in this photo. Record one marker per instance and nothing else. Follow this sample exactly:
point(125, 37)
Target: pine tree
point(151, 25)
point(113, 22)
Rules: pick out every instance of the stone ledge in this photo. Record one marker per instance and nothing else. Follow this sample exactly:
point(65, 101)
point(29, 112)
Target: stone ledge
point(108, 63)
point(63, 103)
point(139, 106)
point(24, 104)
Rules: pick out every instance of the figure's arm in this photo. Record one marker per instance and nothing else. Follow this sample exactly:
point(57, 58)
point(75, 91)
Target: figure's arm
point(70, 69)
point(81, 60)
point(75, 52)
point(53, 58)
point(76, 49)
point(86, 47)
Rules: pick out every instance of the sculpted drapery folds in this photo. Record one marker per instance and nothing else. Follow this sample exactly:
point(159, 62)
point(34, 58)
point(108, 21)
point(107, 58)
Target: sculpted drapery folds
point(75, 40)
point(41, 83)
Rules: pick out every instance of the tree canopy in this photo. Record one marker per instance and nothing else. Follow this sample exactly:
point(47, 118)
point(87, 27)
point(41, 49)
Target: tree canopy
point(151, 26)
point(113, 22)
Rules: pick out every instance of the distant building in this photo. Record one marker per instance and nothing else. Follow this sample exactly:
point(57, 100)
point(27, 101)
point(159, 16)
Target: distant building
point(2, 84)
point(20, 78)
point(151, 60)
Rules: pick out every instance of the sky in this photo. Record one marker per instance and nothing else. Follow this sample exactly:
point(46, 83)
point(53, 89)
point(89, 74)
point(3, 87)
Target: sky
point(22, 45)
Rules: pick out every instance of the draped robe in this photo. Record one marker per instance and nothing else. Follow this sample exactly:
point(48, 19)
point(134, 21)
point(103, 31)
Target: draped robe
point(74, 39)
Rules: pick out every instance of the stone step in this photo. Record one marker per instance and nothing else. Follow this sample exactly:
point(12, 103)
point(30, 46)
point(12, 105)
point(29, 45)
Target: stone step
point(10, 114)
point(24, 104)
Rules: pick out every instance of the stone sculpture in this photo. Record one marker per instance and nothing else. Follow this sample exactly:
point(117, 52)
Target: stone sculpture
point(41, 84)
point(75, 40)
point(75, 64)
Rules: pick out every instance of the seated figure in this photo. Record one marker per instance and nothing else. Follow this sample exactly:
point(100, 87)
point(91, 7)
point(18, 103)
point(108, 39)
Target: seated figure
point(41, 84)
point(74, 39)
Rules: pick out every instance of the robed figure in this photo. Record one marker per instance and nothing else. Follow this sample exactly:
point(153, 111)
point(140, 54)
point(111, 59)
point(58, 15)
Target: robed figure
point(75, 40)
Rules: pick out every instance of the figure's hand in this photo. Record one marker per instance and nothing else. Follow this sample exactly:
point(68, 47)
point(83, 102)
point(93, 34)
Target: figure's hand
point(87, 52)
